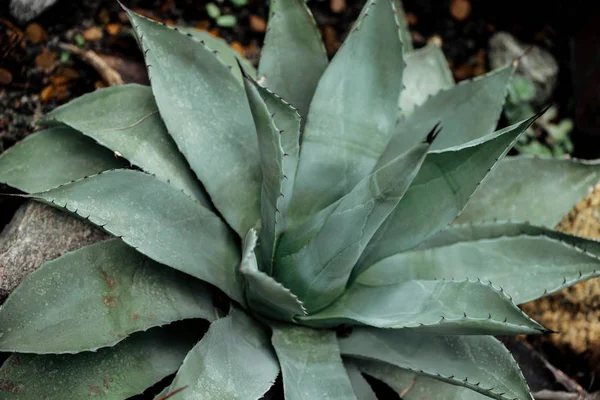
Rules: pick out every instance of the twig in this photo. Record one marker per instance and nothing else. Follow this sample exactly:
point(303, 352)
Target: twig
point(108, 74)
point(552, 395)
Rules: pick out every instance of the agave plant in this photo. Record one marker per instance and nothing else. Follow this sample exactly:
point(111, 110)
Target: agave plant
point(307, 211)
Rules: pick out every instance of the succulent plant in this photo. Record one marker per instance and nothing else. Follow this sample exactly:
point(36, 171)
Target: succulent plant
point(310, 217)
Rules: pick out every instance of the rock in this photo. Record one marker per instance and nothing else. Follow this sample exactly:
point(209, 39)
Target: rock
point(26, 10)
point(36, 234)
point(535, 63)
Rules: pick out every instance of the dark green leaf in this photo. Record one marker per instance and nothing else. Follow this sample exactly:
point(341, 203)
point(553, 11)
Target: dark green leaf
point(361, 387)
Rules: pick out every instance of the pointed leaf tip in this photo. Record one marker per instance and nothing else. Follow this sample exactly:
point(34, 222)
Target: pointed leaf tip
point(435, 131)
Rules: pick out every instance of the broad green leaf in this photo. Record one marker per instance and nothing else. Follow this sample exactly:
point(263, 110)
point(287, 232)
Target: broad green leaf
point(478, 102)
point(526, 267)
point(125, 119)
point(311, 365)
point(418, 387)
point(206, 112)
point(438, 194)
point(234, 360)
point(225, 53)
point(51, 157)
point(158, 221)
point(538, 190)
point(426, 73)
point(353, 111)
point(361, 387)
point(479, 363)
point(263, 293)
point(293, 57)
point(442, 307)
point(403, 30)
point(113, 373)
point(95, 297)
point(318, 271)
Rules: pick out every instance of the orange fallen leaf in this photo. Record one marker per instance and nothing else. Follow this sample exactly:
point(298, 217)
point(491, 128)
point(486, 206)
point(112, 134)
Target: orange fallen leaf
point(93, 34)
point(113, 29)
point(99, 84)
point(203, 25)
point(59, 80)
point(67, 72)
point(460, 9)
point(46, 60)
point(35, 33)
point(411, 19)
point(239, 48)
point(47, 94)
point(5, 77)
point(214, 32)
point(257, 24)
point(337, 6)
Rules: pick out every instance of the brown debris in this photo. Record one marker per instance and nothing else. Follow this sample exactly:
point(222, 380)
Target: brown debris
point(47, 94)
point(108, 74)
point(337, 6)
point(109, 301)
point(113, 29)
point(257, 24)
point(332, 44)
point(411, 19)
point(5, 77)
point(93, 34)
point(239, 48)
point(46, 60)
point(460, 9)
point(36, 34)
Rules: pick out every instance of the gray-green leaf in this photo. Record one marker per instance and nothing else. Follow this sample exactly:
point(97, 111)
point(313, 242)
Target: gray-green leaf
point(114, 373)
point(311, 365)
point(403, 30)
point(234, 360)
point(352, 113)
point(361, 387)
point(158, 221)
point(52, 157)
point(125, 119)
point(479, 363)
point(293, 57)
point(95, 297)
point(534, 189)
point(206, 112)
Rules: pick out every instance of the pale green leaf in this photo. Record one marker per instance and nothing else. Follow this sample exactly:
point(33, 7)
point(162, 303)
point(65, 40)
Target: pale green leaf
point(426, 73)
point(114, 373)
point(125, 119)
point(353, 111)
point(293, 57)
point(361, 387)
point(526, 267)
point(403, 30)
point(95, 297)
point(51, 157)
point(263, 293)
point(206, 112)
point(479, 363)
point(442, 307)
point(319, 270)
point(234, 360)
point(438, 194)
point(159, 221)
point(418, 387)
point(311, 365)
point(538, 190)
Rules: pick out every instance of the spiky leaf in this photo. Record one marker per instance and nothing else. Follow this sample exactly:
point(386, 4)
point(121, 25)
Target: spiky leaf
point(311, 365)
point(293, 57)
point(479, 363)
point(212, 135)
point(171, 229)
point(95, 297)
point(234, 360)
point(51, 157)
point(441, 307)
point(134, 131)
point(361, 387)
point(114, 373)
point(425, 74)
point(352, 113)
point(525, 188)
point(403, 30)
point(438, 194)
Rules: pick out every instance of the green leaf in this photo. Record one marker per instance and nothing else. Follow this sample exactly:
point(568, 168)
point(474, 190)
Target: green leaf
point(526, 267)
point(263, 293)
point(479, 363)
point(95, 297)
point(441, 307)
point(353, 112)
point(234, 360)
point(438, 194)
point(478, 101)
point(418, 387)
point(225, 53)
point(318, 271)
point(426, 73)
point(114, 373)
point(51, 157)
point(158, 221)
point(293, 57)
point(125, 119)
point(207, 114)
point(405, 35)
point(524, 188)
point(311, 365)
point(361, 387)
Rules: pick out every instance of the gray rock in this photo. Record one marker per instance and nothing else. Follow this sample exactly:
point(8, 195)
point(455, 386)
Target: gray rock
point(36, 234)
point(25, 10)
point(537, 64)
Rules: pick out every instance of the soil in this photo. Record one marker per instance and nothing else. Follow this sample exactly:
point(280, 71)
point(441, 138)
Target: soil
point(36, 75)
